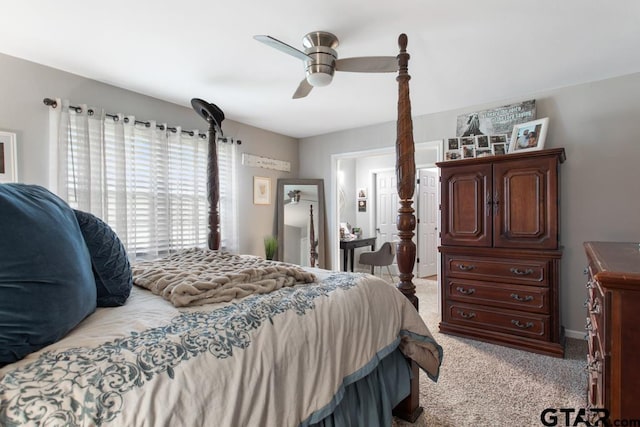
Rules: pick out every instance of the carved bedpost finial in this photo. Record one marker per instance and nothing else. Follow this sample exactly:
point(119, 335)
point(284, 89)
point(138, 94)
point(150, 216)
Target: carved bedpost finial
point(403, 57)
point(406, 178)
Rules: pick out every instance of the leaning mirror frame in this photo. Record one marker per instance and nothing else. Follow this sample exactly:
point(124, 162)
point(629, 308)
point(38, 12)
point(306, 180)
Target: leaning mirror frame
point(318, 215)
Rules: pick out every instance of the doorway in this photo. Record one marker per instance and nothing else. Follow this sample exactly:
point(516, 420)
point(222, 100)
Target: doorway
point(426, 211)
point(352, 171)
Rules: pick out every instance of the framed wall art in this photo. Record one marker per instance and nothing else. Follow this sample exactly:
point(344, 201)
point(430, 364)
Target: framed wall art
point(496, 121)
point(261, 190)
point(8, 157)
point(529, 136)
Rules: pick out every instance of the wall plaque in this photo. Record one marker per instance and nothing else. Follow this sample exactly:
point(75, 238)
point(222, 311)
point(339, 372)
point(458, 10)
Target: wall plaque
point(265, 162)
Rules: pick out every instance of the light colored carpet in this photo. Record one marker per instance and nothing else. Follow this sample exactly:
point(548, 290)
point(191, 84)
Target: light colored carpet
point(484, 384)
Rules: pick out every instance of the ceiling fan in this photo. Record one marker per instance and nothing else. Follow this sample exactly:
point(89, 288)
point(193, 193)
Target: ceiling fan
point(321, 60)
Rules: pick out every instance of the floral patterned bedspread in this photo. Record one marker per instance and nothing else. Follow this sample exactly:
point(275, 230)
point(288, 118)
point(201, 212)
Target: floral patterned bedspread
point(271, 359)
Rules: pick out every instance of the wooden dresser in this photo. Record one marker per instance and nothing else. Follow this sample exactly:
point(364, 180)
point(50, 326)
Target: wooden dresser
point(500, 250)
point(613, 328)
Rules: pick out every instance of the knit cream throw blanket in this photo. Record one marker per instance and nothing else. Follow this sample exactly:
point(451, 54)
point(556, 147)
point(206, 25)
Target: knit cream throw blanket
point(202, 276)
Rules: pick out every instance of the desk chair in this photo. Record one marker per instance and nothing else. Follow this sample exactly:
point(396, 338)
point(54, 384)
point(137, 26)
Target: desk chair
point(383, 257)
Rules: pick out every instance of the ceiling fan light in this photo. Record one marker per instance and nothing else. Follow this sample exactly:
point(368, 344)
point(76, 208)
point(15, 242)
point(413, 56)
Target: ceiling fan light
point(319, 79)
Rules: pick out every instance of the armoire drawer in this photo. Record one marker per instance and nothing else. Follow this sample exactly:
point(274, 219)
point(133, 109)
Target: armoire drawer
point(514, 297)
point(520, 271)
point(507, 321)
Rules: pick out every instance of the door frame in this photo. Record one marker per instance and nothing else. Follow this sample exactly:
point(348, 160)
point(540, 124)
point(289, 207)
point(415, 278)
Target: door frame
point(334, 234)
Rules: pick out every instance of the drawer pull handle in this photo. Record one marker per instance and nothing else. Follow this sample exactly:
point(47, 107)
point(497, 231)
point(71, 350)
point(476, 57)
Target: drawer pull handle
point(522, 299)
point(593, 363)
point(466, 267)
point(589, 325)
point(464, 315)
point(518, 272)
point(465, 291)
point(521, 326)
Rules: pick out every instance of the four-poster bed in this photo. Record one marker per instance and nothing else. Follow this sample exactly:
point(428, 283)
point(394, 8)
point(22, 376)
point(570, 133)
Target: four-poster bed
point(238, 340)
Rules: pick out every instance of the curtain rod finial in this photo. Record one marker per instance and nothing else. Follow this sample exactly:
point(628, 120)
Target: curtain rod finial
point(50, 102)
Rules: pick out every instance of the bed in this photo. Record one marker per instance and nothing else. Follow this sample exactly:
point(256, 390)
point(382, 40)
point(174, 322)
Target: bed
point(251, 343)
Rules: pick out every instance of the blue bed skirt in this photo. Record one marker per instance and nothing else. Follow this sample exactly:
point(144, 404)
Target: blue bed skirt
point(368, 396)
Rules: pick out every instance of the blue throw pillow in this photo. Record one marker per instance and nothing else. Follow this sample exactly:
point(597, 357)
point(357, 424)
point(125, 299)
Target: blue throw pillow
point(46, 283)
point(111, 267)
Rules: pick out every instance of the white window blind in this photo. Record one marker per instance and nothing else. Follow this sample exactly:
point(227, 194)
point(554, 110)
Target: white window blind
point(147, 182)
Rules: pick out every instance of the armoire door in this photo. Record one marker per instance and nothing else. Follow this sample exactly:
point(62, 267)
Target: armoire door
point(466, 205)
point(525, 203)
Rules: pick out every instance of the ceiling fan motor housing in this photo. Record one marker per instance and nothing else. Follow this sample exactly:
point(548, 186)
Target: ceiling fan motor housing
point(321, 67)
point(320, 47)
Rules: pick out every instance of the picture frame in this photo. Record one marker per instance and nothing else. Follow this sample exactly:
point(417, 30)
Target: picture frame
point(362, 205)
point(482, 141)
point(467, 141)
point(452, 155)
point(521, 137)
point(483, 152)
point(498, 139)
point(8, 157)
point(499, 148)
point(468, 151)
point(261, 190)
point(362, 193)
point(453, 144)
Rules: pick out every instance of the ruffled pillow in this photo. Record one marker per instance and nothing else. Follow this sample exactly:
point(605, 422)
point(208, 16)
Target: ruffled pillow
point(111, 267)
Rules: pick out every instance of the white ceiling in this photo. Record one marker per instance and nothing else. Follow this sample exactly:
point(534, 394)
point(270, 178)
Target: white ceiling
point(463, 52)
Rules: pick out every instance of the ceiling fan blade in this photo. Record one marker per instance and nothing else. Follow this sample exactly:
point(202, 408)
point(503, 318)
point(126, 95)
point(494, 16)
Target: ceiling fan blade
point(368, 64)
point(303, 89)
point(281, 46)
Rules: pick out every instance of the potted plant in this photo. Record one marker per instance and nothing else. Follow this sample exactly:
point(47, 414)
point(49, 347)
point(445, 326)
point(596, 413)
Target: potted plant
point(270, 246)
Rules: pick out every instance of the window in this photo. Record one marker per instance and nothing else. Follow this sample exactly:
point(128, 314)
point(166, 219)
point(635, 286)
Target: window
point(147, 181)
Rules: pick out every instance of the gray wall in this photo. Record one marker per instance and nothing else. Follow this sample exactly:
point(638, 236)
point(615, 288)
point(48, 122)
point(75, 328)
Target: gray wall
point(25, 84)
point(598, 124)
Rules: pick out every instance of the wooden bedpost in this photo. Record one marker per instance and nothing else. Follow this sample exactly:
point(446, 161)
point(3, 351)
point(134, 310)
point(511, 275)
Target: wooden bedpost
point(313, 254)
point(406, 178)
point(213, 189)
point(409, 409)
point(214, 116)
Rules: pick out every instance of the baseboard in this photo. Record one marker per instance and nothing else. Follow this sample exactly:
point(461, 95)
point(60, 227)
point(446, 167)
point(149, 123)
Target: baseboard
point(580, 335)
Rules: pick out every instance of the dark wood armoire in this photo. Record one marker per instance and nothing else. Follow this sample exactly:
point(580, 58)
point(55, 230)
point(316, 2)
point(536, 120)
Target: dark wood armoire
point(500, 249)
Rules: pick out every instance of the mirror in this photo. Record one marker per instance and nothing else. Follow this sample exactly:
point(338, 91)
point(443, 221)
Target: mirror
point(301, 220)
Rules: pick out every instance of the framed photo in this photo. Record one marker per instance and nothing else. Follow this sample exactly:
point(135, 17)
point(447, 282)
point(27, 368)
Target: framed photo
point(8, 158)
point(468, 140)
point(261, 190)
point(482, 141)
point(499, 148)
point(529, 136)
point(498, 139)
point(468, 151)
point(452, 155)
point(483, 152)
point(453, 143)
point(362, 193)
point(362, 205)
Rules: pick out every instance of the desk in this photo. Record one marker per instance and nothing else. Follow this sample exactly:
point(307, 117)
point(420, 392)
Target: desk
point(348, 247)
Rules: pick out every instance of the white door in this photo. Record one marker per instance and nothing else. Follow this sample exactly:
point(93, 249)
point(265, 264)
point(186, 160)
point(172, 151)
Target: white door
point(427, 222)
point(386, 209)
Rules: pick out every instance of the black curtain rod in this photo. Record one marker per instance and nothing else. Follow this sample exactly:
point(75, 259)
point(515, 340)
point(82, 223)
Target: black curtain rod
point(52, 103)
